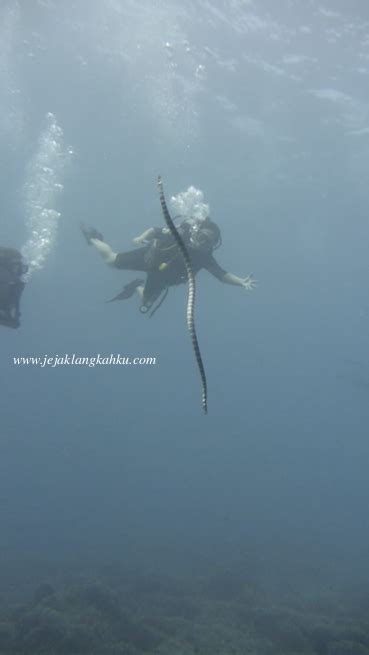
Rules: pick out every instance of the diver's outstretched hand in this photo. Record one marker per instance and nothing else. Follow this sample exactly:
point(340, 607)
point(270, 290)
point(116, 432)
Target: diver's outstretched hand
point(249, 283)
point(90, 233)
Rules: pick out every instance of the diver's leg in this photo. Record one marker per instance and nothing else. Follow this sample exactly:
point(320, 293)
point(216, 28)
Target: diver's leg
point(128, 290)
point(8, 320)
point(151, 291)
point(15, 312)
point(140, 290)
point(10, 303)
point(106, 251)
point(96, 239)
point(133, 260)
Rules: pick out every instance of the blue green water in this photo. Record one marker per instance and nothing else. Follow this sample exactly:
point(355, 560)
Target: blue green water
point(264, 107)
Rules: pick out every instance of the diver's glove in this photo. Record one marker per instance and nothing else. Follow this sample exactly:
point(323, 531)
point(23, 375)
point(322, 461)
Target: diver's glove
point(90, 233)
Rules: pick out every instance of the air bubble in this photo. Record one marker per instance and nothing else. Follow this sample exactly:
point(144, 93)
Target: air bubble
point(41, 189)
point(189, 204)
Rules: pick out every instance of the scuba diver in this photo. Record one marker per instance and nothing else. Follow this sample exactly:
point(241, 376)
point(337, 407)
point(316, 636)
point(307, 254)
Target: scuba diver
point(159, 257)
point(12, 268)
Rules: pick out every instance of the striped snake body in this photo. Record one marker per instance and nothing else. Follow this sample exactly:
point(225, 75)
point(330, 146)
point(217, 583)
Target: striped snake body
point(191, 294)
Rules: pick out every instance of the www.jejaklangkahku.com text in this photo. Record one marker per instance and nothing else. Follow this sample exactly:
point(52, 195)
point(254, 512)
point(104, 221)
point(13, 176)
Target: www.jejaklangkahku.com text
point(78, 360)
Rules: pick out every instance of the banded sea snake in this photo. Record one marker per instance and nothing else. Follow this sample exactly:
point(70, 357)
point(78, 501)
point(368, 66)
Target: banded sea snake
point(191, 295)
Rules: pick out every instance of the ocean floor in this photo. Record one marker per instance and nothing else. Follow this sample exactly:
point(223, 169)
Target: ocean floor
point(128, 613)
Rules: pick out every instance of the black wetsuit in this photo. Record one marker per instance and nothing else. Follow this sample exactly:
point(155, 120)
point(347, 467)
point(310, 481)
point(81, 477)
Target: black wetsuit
point(164, 264)
point(11, 286)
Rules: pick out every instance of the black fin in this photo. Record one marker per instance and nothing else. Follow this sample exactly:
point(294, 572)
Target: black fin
point(127, 291)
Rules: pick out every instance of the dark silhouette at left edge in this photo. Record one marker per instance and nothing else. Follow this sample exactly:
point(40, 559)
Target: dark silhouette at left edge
point(12, 268)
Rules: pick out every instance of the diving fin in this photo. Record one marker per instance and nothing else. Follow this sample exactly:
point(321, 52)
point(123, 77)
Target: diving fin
point(90, 233)
point(127, 291)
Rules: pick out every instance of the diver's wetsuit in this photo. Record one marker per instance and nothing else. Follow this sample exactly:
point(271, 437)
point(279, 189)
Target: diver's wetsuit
point(164, 265)
point(11, 286)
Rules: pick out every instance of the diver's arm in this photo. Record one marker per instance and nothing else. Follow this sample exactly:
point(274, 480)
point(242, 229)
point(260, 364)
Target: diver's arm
point(228, 278)
point(148, 235)
point(247, 283)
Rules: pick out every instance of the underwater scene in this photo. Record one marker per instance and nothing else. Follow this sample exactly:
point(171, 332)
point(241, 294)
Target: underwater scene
point(184, 322)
